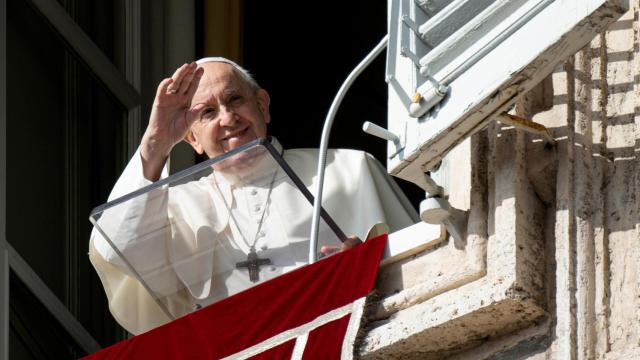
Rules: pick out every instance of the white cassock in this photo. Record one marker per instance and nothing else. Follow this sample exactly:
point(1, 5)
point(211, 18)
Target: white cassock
point(182, 241)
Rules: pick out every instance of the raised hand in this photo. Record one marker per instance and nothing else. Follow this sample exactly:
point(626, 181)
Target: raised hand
point(171, 117)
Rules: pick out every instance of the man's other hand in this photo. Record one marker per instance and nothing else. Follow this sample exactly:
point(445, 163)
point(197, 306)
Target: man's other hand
point(351, 241)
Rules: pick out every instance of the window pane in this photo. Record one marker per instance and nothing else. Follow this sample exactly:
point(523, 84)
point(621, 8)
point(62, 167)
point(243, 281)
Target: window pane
point(64, 151)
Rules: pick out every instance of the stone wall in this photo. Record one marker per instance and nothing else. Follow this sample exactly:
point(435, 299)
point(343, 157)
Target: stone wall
point(551, 263)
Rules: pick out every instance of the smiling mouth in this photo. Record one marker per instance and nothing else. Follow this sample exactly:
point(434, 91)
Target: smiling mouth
point(236, 134)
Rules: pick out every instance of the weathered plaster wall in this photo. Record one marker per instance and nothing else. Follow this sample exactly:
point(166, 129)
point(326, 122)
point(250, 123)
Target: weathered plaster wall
point(592, 238)
point(551, 265)
point(597, 248)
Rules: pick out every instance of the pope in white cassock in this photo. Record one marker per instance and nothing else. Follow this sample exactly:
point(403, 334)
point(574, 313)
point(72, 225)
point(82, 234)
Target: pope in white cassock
point(188, 242)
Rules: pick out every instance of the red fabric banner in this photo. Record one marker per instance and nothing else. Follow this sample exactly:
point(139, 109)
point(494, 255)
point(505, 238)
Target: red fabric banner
point(291, 301)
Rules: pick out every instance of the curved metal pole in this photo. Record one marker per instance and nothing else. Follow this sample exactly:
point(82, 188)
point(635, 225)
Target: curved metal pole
point(324, 142)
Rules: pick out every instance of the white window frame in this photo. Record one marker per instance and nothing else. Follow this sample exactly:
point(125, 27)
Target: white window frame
point(476, 76)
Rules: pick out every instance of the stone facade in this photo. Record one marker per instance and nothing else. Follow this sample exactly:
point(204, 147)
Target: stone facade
point(550, 268)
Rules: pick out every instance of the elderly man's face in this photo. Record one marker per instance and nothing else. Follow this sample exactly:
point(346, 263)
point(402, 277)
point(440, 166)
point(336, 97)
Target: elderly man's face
point(234, 113)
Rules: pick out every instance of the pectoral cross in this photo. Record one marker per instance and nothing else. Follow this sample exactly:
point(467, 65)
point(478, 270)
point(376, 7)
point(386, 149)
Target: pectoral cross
point(253, 264)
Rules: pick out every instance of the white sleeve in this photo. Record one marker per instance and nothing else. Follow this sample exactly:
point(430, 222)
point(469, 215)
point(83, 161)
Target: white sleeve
point(130, 302)
point(138, 228)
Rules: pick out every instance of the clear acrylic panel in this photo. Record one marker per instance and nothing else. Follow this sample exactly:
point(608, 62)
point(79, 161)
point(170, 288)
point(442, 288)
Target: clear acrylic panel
point(214, 229)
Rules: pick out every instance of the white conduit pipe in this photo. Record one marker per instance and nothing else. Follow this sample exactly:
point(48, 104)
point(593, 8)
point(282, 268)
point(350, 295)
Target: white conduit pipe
point(324, 143)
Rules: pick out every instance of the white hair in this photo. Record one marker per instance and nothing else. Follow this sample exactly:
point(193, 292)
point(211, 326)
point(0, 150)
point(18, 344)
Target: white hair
point(242, 71)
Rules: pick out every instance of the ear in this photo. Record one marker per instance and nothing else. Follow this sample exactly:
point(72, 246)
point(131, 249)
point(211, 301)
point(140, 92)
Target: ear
point(263, 104)
point(192, 140)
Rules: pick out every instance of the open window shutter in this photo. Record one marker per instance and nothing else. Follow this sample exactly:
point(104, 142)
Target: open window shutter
point(453, 65)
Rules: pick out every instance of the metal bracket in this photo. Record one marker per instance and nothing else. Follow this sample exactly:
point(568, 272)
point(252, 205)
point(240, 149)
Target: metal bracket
point(436, 209)
point(426, 5)
point(378, 131)
point(410, 23)
point(395, 33)
point(423, 103)
point(405, 48)
point(406, 52)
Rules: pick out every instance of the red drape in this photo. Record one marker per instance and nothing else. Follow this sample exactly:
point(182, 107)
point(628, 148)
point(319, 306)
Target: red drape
point(257, 314)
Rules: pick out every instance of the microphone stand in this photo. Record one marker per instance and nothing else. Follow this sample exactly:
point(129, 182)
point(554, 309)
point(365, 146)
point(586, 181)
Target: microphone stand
point(324, 143)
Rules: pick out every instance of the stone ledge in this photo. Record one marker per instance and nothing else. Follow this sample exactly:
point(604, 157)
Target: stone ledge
point(440, 325)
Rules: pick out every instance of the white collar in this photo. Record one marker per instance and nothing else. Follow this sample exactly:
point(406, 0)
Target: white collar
point(257, 174)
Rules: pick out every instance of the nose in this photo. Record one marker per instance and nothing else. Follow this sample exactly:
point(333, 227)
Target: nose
point(227, 116)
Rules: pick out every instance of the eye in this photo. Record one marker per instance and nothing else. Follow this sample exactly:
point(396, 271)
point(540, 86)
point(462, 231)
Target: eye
point(235, 99)
point(208, 114)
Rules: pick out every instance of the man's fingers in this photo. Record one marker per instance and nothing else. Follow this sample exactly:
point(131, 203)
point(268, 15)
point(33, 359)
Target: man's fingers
point(178, 77)
point(193, 84)
point(350, 242)
point(163, 86)
point(188, 79)
point(183, 83)
point(327, 250)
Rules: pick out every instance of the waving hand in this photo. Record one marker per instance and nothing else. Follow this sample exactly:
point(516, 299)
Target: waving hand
point(170, 118)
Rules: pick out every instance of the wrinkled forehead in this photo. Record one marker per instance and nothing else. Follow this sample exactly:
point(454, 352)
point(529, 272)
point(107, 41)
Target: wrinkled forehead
point(218, 79)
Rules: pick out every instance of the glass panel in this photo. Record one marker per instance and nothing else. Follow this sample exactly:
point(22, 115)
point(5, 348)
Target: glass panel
point(212, 230)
